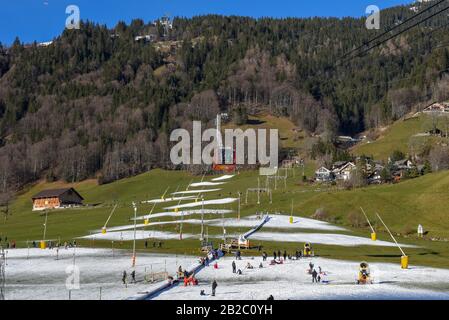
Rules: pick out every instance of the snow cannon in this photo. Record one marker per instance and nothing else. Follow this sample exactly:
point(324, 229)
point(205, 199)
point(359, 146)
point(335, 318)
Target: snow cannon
point(373, 236)
point(404, 262)
point(103, 230)
point(308, 252)
point(364, 276)
point(291, 220)
point(43, 244)
point(176, 209)
point(146, 221)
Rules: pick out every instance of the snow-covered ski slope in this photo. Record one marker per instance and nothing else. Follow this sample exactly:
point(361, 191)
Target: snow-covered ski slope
point(41, 276)
point(291, 281)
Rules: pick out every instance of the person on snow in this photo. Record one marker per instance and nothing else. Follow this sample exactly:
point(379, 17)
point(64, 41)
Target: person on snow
point(133, 276)
point(207, 261)
point(202, 293)
point(249, 266)
point(319, 270)
point(274, 255)
point(124, 277)
point(279, 254)
point(311, 266)
point(234, 267)
point(264, 256)
point(214, 287)
point(314, 276)
point(285, 255)
point(260, 265)
point(146, 244)
point(270, 297)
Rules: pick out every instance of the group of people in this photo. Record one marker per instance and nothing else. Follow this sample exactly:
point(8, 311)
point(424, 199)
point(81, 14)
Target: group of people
point(155, 244)
point(8, 244)
point(125, 277)
point(317, 276)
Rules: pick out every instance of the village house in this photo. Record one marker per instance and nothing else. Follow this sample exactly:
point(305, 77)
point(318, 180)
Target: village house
point(323, 175)
point(56, 199)
point(344, 172)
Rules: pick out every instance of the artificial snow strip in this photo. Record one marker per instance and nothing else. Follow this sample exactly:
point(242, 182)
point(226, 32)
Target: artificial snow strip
point(163, 200)
point(195, 191)
point(184, 213)
point(200, 203)
point(206, 184)
point(225, 177)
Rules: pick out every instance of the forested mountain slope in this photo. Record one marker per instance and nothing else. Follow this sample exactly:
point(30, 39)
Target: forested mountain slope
point(96, 102)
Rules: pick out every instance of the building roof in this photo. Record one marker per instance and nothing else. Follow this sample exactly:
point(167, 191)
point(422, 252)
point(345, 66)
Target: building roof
point(51, 193)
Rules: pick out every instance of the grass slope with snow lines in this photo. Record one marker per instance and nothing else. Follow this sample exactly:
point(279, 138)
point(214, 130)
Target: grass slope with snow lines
point(291, 281)
point(402, 206)
point(205, 202)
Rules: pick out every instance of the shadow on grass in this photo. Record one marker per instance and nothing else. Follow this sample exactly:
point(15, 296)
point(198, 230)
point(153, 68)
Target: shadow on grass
point(255, 122)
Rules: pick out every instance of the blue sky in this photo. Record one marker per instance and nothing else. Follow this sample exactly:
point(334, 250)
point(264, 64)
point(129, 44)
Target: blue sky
point(41, 20)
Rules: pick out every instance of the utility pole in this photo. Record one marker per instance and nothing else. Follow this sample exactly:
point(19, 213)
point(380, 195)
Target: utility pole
point(2, 273)
point(134, 241)
point(202, 219)
point(239, 207)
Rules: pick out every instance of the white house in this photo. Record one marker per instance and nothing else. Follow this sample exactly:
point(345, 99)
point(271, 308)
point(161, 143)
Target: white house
point(323, 175)
point(344, 172)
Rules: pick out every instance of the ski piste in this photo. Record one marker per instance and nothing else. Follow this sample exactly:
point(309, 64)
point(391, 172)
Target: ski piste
point(196, 268)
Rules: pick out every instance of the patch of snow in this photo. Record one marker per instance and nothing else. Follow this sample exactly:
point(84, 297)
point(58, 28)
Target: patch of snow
point(206, 184)
point(195, 191)
point(323, 238)
point(206, 202)
point(224, 177)
point(184, 212)
point(40, 276)
point(169, 199)
point(140, 235)
point(291, 281)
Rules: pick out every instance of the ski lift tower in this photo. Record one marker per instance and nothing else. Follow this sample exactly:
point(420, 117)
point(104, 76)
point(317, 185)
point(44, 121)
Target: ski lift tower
point(2, 273)
point(166, 23)
point(224, 158)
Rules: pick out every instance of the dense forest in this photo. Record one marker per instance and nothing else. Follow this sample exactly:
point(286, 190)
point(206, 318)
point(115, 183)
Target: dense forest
point(99, 103)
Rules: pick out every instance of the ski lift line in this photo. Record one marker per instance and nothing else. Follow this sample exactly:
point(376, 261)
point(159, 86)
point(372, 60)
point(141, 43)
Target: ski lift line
point(366, 217)
point(394, 239)
point(110, 215)
point(360, 54)
point(394, 28)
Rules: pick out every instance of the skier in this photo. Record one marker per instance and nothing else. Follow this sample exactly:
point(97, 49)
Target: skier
point(124, 277)
point(264, 256)
point(214, 287)
point(319, 270)
point(146, 244)
point(285, 255)
point(234, 267)
point(279, 254)
point(133, 276)
point(311, 266)
point(270, 297)
point(314, 276)
point(274, 255)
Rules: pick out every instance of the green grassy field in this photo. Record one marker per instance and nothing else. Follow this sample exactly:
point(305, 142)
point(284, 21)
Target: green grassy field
point(403, 206)
point(396, 137)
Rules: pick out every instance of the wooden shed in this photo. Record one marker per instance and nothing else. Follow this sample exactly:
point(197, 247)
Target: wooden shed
point(56, 199)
